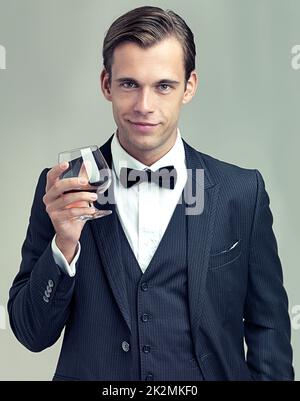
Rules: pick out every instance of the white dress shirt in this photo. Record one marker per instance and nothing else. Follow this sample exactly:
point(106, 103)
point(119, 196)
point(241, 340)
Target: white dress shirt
point(145, 209)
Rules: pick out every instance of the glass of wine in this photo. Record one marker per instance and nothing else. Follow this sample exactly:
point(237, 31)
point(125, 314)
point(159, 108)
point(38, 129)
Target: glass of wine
point(87, 162)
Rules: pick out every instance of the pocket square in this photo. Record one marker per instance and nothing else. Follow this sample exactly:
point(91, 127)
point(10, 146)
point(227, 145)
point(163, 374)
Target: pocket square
point(233, 246)
point(226, 256)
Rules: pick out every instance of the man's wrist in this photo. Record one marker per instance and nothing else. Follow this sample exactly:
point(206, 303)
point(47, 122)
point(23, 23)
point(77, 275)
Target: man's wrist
point(68, 249)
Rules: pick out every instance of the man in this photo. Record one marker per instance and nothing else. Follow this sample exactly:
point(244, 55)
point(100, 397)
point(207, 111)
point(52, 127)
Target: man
point(152, 292)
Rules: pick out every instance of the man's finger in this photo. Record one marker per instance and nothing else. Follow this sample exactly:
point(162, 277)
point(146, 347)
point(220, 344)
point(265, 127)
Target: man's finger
point(54, 173)
point(71, 200)
point(66, 185)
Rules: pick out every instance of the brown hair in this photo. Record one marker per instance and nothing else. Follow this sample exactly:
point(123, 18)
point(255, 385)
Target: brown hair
point(147, 26)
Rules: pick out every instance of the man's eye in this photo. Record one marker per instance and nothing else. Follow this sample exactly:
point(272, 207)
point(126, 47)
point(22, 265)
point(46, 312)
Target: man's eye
point(128, 85)
point(164, 87)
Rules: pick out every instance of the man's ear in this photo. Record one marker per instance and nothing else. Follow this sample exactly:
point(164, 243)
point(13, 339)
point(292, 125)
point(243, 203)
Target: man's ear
point(105, 84)
point(191, 87)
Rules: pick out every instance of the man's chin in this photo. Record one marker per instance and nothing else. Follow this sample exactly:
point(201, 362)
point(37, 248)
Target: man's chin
point(146, 144)
point(140, 142)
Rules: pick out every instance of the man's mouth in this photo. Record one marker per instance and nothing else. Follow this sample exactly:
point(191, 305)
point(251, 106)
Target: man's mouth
point(143, 126)
point(143, 123)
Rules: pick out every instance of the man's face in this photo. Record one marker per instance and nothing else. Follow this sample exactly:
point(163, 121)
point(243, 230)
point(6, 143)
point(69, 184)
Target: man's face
point(147, 91)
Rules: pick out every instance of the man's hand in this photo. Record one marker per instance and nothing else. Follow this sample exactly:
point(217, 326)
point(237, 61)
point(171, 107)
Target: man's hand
point(64, 208)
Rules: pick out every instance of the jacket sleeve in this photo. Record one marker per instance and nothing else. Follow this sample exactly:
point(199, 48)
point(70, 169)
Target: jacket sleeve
point(40, 296)
point(266, 318)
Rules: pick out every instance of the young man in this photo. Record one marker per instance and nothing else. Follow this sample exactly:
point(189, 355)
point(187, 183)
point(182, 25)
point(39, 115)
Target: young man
point(151, 292)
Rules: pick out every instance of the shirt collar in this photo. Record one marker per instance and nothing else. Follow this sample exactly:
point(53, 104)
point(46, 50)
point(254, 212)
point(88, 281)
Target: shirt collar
point(120, 158)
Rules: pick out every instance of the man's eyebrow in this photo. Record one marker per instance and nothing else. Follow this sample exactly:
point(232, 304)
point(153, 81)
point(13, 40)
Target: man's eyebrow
point(160, 82)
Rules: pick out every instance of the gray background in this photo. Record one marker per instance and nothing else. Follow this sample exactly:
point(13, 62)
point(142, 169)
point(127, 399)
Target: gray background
point(245, 112)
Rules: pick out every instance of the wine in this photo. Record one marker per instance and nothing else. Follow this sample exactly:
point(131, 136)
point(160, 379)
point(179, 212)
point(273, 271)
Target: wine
point(88, 163)
point(101, 185)
point(72, 191)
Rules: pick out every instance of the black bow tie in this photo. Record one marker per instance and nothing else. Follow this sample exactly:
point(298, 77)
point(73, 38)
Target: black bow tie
point(165, 177)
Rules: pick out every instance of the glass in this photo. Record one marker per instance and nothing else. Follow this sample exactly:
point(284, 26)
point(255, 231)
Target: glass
point(88, 162)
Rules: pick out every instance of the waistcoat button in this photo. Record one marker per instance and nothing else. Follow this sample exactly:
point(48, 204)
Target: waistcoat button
point(125, 346)
point(145, 317)
point(146, 349)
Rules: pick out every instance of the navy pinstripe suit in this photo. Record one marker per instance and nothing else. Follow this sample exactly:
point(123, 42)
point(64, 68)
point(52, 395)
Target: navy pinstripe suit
point(232, 293)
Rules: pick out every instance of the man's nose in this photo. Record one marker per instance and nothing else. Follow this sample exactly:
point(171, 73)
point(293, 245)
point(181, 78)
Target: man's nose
point(144, 102)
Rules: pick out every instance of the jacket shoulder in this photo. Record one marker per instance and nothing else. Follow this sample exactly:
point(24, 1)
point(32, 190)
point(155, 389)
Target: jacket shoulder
point(224, 167)
point(227, 173)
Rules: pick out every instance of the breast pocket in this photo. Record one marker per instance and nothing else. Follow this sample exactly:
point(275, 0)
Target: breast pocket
point(226, 256)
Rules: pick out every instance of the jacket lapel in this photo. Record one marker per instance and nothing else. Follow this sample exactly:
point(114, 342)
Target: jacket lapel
point(106, 235)
point(200, 229)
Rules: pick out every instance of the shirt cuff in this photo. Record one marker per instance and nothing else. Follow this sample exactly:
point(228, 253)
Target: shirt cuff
point(61, 261)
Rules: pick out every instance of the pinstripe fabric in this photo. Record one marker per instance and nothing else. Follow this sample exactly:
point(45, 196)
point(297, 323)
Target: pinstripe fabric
point(232, 293)
point(161, 346)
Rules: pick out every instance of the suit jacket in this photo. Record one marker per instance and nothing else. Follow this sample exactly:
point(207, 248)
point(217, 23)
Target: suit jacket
point(234, 293)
